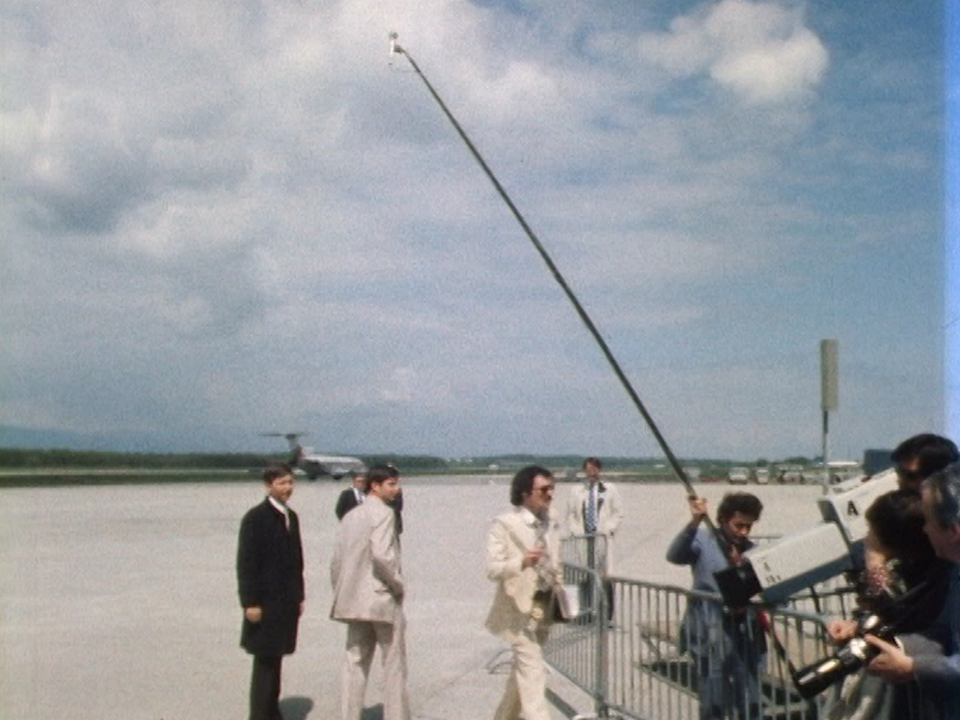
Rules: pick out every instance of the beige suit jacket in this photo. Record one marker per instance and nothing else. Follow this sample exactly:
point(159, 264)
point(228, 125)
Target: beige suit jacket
point(609, 517)
point(511, 536)
point(365, 569)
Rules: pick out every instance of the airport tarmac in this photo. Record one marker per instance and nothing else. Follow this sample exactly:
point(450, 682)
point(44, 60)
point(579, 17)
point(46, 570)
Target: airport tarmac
point(120, 601)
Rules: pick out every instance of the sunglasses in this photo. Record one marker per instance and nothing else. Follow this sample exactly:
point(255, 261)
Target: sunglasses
point(909, 475)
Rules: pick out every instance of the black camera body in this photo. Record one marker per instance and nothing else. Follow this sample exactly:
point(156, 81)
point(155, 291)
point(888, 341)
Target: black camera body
point(850, 657)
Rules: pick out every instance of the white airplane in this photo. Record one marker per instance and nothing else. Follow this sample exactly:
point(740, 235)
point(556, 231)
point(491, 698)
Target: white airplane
point(312, 464)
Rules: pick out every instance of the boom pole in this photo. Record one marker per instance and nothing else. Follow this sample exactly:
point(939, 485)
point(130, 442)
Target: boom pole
point(558, 276)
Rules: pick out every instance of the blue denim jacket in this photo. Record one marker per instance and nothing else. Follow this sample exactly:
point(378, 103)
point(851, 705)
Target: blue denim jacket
point(708, 624)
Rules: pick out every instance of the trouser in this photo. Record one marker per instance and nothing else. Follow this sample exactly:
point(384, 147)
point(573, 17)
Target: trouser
point(594, 560)
point(729, 686)
point(526, 690)
point(362, 639)
point(265, 688)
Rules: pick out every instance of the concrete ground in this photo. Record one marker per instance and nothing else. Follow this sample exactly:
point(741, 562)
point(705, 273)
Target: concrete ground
point(120, 601)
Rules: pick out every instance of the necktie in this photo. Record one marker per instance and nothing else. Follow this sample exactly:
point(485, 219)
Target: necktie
point(543, 574)
point(590, 522)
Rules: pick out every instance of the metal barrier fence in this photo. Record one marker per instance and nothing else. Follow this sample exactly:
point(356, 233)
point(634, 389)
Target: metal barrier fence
point(578, 650)
point(632, 652)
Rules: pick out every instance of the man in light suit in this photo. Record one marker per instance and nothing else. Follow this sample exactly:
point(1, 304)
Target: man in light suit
point(353, 496)
point(594, 510)
point(523, 549)
point(368, 596)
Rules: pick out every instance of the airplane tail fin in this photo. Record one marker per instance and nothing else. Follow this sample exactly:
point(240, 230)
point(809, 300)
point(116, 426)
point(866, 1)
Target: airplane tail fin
point(297, 456)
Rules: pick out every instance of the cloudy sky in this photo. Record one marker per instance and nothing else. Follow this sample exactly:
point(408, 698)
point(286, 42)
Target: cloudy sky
point(221, 218)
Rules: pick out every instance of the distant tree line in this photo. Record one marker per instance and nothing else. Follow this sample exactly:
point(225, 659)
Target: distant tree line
point(407, 463)
point(29, 458)
point(37, 458)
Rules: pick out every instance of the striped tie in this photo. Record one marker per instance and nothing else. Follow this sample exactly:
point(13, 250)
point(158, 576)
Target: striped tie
point(590, 522)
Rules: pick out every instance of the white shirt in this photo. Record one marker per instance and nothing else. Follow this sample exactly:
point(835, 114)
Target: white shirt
point(282, 508)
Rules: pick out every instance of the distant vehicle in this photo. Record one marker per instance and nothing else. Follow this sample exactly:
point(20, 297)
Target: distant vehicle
point(315, 465)
point(763, 475)
point(739, 475)
point(791, 474)
point(876, 461)
point(843, 470)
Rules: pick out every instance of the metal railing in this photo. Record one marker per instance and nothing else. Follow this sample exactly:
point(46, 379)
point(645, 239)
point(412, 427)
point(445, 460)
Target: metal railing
point(578, 650)
point(633, 653)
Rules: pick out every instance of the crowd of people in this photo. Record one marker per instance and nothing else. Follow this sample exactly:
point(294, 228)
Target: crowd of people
point(910, 563)
point(909, 581)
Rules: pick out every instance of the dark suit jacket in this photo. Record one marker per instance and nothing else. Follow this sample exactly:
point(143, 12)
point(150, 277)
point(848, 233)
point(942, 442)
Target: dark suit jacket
point(270, 576)
point(348, 501)
point(345, 503)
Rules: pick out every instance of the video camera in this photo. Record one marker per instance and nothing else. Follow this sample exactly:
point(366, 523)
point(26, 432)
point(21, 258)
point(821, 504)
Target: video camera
point(812, 555)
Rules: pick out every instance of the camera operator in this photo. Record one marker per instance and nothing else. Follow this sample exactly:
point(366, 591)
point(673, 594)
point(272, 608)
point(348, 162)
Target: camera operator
point(929, 660)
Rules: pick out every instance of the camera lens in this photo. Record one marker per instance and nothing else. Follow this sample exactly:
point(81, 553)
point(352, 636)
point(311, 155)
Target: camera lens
point(814, 679)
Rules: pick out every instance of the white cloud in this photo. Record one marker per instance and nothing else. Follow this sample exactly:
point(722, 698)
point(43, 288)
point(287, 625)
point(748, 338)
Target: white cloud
point(760, 51)
point(221, 214)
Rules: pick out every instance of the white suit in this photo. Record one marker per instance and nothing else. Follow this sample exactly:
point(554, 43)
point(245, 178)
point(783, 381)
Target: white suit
point(515, 616)
point(367, 595)
point(609, 516)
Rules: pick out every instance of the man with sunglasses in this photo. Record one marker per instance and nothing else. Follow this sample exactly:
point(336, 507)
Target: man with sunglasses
point(920, 456)
point(523, 559)
point(915, 459)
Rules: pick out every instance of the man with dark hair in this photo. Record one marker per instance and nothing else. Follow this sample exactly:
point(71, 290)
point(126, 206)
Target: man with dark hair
point(914, 459)
point(397, 503)
point(270, 581)
point(523, 559)
point(368, 592)
point(920, 456)
point(727, 644)
point(594, 510)
point(352, 496)
point(931, 658)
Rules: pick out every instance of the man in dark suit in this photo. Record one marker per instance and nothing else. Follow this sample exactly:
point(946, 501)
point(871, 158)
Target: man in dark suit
point(351, 497)
point(270, 580)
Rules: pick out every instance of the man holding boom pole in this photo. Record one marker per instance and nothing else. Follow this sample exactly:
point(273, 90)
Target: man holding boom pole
point(727, 644)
